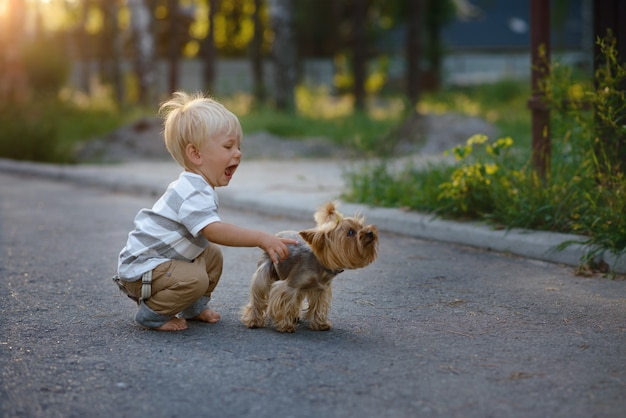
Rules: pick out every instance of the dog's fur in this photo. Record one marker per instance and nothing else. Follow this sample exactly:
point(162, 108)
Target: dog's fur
point(279, 290)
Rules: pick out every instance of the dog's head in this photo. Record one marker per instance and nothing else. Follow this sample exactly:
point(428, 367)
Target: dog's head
point(342, 242)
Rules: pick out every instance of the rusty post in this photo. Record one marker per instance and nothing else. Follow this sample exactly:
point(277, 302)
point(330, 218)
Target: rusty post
point(540, 60)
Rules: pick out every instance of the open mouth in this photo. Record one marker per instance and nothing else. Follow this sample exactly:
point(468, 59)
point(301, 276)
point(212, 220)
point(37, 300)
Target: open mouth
point(230, 171)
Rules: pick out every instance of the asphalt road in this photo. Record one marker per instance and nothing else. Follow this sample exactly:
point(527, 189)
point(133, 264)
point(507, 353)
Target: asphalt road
point(429, 329)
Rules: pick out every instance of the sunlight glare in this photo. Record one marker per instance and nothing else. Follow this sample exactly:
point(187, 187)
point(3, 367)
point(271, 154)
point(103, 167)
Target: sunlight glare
point(3, 7)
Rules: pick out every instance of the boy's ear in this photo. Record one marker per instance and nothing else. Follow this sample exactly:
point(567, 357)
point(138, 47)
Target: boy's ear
point(193, 154)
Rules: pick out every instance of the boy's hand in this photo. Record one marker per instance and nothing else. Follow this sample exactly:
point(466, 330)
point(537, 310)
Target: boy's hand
point(276, 247)
point(235, 236)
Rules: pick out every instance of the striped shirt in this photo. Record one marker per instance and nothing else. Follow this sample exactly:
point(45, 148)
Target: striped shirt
point(171, 230)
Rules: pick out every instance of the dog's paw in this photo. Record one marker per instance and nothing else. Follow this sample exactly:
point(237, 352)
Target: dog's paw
point(288, 329)
point(286, 326)
point(249, 319)
point(320, 326)
point(254, 323)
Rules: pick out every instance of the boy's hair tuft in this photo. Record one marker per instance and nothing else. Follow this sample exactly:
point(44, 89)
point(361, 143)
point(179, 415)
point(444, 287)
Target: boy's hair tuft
point(194, 119)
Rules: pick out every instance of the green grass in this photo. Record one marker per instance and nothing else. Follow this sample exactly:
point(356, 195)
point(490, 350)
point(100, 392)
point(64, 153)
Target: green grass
point(504, 104)
point(319, 114)
point(357, 130)
point(493, 179)
point(48, 131)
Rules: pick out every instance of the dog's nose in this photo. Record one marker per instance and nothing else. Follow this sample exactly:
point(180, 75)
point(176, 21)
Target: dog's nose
point(369, 235)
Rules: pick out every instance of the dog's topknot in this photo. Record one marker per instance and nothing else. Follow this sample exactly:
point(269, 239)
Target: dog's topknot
point(328, 213)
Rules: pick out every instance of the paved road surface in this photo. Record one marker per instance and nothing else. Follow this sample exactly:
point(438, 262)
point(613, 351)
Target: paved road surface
point(428, 330)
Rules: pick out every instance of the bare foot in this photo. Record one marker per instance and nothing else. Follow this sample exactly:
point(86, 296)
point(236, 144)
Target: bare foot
point(174, 324)
point(208, 315)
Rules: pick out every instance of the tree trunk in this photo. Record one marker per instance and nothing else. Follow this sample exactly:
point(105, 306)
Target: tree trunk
point(140, 18)
point(210, 55)
point(13, 83)
point(174, 45)
point(110, 55)
point(84, 49)
point(256, 54)
point(413, 50)
point(359, 48)
point(434, 50)
point(283, 53)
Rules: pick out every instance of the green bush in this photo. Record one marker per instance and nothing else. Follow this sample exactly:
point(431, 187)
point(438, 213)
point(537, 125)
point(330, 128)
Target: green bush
point(26, 135)
point(584, 191)
point(48, 130)
point(589, 125)
point(47, 66)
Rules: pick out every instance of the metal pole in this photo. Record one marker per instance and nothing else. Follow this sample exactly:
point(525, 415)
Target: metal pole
point(540, 60)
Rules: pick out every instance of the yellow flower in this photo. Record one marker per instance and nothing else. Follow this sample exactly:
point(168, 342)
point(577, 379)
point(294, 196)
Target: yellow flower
point(491, 169)
point(504, 142)
point(575, 91)
point(477, 139)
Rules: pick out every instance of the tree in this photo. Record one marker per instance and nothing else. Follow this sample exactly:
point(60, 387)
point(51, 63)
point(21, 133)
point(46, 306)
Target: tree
point(173, 13)
point(210, 54)
point(83, 49)
point(360, 51)
point(140, 18)
point(256, 54)
point(13, 83)
point(110, 49)
point(413, 50)
point(437, 14)
point(284, 53)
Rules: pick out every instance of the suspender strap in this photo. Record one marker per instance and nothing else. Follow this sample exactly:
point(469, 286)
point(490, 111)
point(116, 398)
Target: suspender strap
point(118, 282)
point(146, 285)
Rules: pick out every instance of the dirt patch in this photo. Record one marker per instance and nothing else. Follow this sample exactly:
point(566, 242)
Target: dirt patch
point(425, 134)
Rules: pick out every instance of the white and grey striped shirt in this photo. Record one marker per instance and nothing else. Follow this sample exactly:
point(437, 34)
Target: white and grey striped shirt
point(171, 230)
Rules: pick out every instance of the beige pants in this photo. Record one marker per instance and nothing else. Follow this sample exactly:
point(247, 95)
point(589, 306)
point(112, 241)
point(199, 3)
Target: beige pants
point(178, 284)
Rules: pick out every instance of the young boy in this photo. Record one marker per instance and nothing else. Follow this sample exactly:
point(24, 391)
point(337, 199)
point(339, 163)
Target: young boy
point(170, 264)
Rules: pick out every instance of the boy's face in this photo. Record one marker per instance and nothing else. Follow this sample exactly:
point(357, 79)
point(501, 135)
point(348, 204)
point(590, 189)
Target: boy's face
point(219, 158)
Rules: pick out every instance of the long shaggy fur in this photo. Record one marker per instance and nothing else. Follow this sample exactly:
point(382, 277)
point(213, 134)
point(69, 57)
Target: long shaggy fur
point(278, 291)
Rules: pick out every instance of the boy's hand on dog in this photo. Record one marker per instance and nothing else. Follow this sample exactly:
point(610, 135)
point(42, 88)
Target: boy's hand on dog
point(276, 247)
point(236, 236)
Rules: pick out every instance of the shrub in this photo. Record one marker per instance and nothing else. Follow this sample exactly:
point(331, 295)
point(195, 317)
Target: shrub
point(26, 135)
point(46, 65)
point(48, 130)
point(584, 191)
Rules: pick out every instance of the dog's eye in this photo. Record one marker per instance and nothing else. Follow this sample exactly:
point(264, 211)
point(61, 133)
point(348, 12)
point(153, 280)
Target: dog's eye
point(351, 233)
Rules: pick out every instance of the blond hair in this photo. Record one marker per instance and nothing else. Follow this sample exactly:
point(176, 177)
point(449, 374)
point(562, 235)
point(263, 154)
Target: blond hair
point(195, 119)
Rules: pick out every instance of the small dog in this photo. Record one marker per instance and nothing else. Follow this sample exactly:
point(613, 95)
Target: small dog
point(279, 290)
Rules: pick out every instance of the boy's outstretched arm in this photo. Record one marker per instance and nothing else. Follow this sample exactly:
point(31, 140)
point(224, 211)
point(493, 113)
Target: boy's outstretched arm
point(236, 236)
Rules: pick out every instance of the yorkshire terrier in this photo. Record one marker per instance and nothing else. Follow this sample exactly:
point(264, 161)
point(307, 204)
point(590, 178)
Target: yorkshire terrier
point(279, 290)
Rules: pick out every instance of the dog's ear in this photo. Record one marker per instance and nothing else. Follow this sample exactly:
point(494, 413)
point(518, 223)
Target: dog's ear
point(308, 235)
point(314, 238)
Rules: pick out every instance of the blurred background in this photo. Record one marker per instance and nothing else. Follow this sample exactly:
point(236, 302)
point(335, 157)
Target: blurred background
point(144, 49)
point(323, 59)
point(527, 96)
